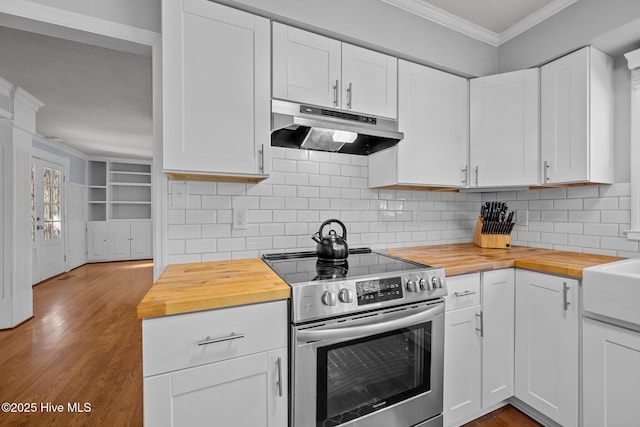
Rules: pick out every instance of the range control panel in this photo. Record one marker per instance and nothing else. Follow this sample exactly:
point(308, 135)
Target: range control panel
point(332, 298)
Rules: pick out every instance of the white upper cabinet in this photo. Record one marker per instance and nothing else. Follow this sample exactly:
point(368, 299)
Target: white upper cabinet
point(306, 67)
point(216, 89)
point(504, 147)
point(433, 113)
point(577, 118)
point(313, 69)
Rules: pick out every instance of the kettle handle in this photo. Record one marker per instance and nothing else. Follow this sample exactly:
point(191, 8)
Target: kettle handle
point(337, 221)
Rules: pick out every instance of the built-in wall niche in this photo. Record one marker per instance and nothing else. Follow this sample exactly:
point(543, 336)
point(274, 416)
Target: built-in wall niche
point(119, 190)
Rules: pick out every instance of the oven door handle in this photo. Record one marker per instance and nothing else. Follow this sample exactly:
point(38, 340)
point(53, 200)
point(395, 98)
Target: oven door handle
point(309, 335)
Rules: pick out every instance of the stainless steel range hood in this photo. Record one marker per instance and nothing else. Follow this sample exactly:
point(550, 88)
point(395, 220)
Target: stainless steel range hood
point(309, 127)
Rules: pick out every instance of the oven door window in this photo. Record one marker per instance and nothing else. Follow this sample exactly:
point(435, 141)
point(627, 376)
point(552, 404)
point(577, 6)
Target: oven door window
point(361, 376)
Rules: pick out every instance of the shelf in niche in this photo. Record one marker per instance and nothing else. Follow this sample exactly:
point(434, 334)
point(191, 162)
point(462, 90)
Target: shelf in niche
point(131, 184)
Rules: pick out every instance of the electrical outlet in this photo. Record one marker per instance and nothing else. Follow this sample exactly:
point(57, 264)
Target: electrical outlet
point(522, 217)
point(240, 220)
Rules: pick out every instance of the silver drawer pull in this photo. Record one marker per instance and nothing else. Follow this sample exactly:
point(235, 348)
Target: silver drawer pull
point(209, 340)
point(464, 294)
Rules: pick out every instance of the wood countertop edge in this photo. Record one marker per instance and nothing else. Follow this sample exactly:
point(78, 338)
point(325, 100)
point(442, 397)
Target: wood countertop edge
point(151, 309)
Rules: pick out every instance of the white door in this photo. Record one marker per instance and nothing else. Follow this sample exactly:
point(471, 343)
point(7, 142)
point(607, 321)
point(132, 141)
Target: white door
point(546, 353)
point(498, 322)
point(217, 113)
point(369, 81)
point(141, 239)
point(97, 241)
point(47, 219)
point(611, 375)
point(433, 113)
point(505, 129)
point(462, 350)
point(119, 239)
point(306, 67)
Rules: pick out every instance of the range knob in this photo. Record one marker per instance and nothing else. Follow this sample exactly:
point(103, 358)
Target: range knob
point(423, 283)
point(412, 286)
point(346, 295)
point(435, 281)
point(329, 298)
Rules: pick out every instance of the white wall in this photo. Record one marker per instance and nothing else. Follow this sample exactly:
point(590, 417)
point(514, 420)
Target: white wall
point(583, 23)
point(383, 27)
point(143, 14)
point(77, 201)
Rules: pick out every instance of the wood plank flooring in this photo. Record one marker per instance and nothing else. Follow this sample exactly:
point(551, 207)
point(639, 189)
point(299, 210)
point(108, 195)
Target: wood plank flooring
point(507, 416)
point(84, 345)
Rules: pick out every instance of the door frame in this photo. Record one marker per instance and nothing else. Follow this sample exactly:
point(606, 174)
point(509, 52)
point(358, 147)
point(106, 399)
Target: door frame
point(65, 163)
point(42, 19)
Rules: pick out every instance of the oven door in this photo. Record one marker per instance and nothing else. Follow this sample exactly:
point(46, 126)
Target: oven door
point(381, 368)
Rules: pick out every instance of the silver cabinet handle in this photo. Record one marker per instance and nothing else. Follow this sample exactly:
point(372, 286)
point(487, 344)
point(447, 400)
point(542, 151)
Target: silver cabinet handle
point(279, 365)
point(209, 340)
point(466, 173)
point(464, 294)
point(546, 171)
point(349, 96)
point(261, 159)
point(477, 169)
point(565, 295)
point(335, 93)
point(481, 330)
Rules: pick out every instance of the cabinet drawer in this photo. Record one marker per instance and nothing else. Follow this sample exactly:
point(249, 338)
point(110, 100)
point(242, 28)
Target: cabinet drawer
point(464, 291)
point(181, 341)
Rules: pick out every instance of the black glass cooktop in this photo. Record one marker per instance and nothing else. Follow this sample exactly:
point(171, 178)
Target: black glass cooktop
point(303, 267)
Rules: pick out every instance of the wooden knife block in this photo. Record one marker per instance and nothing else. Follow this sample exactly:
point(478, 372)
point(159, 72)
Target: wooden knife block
point(494, 241)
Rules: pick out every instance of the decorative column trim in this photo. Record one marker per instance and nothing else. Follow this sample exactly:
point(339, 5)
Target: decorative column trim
point(633, 59)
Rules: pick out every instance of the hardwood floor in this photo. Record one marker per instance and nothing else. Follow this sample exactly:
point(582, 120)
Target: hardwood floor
point(84, 345)
point(507, 416)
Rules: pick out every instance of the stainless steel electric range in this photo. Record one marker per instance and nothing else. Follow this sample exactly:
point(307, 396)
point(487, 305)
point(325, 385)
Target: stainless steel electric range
point(367, 339)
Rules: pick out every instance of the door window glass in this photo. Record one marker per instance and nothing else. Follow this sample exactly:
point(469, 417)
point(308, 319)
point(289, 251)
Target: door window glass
point(51, 194)
point(33, 202)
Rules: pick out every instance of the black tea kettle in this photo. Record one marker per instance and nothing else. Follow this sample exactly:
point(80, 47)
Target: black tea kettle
point(331, 247)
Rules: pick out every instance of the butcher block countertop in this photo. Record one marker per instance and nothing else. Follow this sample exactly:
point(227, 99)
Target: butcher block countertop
point(185, 288)
point(464, 258)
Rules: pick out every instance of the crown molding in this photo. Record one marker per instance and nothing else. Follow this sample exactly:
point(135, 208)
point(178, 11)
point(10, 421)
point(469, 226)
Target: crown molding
point(534, 19)
point(454, 22)
point(446, 19)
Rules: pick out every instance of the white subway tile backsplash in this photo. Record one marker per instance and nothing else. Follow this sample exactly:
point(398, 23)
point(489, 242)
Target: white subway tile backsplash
point(307, 187)
point(216, 231)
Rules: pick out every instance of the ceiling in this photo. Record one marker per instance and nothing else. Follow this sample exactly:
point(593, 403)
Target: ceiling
point(99, 100)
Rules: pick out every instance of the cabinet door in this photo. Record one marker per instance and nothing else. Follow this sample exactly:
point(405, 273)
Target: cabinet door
point(119, 240)
point(498, 323)
point(433, 113)
point(97, 247)
point(141, 239)
point(239, 392)
point(369, 81)
point(505, 142)
point(611, 378)
point(216, 88)
point(306, 67)
point(546, 367)
point(576, 114)
point(462, 355)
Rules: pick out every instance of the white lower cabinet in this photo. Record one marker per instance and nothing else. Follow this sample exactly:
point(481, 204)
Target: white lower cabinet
point(547, 345)
point(225, 367)
point(119, 240)
point(611, 377)
point(479, 344)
